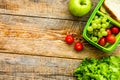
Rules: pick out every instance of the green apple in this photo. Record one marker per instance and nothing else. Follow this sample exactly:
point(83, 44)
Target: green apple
point(79, 7)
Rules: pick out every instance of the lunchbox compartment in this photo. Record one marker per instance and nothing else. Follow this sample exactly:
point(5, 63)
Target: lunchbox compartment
point(108, 47)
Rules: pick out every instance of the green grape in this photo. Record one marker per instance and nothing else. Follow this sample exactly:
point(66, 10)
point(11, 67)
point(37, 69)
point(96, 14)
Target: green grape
point(98, 26)
point(94, 25)
point(104, 26)
point(104, 33)
point(104, 20)
point(94, 39)
point(93, 21)
point(100, 34)
point(96, 17)
point(90, 29)
point(101, 17)
point(107, 24)
point(97, 21)
point(102, 29)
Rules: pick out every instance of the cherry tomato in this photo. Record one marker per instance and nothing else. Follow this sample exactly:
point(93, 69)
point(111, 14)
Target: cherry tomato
point(111, 39)
point(69, 39)
point(102, 41)
point(78, 46)
point(108, 32)
point(115, 30)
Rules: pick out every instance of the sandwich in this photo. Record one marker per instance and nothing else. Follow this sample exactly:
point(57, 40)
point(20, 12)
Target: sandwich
point(112, 7)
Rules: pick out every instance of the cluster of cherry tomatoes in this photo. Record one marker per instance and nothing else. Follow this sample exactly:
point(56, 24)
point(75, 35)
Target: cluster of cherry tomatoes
point(70, 40)
point(110, 38)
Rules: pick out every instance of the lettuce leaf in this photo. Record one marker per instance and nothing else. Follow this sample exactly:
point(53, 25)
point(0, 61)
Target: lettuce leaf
point(107, 68)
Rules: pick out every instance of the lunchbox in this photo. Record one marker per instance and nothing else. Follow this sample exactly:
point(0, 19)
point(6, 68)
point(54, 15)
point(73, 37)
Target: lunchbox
point(108, 47)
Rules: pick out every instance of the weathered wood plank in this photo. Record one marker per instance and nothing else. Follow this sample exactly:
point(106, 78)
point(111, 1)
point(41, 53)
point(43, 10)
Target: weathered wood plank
point(23, 67)
point(8, 77)
point(41, 8)
point(45, 37)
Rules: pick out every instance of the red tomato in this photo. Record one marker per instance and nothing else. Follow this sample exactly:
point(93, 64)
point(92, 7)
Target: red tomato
point(102, 41)
point(115, 30)
point(78, 46)
point(108, 32)
point(69, 39)
point(111, 39)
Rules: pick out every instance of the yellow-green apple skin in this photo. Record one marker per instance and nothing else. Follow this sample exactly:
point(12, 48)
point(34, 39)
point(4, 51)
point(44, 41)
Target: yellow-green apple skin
point(79, 7)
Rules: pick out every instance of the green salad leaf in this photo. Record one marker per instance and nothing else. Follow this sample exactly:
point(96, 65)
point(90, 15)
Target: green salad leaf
point(107, 68)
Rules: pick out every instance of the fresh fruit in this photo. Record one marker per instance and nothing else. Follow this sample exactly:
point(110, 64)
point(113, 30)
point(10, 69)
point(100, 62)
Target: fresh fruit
point(102, 41)
point(104, 33)
point(111, 39)
point(104, 25)
point(97, 28)
point(79, 7)
point(90, 29)
point(94, 25)
point(99, 34)
point(102, 29)
point(69, 39)
point(108, 31)
point(78, 46)
point(115, 30)
point(104, 20)
point(94, 39)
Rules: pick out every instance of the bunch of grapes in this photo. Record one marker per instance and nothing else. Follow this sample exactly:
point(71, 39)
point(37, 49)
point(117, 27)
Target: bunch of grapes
point(97, 28)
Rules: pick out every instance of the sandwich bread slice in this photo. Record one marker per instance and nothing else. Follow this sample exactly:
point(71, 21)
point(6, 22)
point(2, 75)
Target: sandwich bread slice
point(113, 8)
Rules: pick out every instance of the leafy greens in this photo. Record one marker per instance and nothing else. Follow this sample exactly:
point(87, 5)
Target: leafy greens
point(107, 68)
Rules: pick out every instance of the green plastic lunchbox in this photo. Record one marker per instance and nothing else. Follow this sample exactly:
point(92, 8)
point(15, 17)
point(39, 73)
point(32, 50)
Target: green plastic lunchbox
point(108, 47)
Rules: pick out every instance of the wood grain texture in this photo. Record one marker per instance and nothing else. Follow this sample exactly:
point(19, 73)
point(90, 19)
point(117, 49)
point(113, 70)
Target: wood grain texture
point(21, 67)
point(44, 37)
point(41, 8)
point(35, 29)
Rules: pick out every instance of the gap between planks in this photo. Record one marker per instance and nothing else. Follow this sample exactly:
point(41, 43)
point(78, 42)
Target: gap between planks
point(5, 52)
point(42, 17)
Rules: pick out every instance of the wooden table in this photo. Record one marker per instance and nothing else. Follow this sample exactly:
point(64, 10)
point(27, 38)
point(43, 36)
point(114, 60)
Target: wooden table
point(32, 42)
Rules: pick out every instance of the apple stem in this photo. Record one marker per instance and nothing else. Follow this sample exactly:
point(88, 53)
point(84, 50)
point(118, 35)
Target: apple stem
point(82, 3)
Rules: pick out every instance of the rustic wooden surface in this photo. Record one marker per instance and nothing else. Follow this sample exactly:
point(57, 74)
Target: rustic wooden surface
point(32, 42)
